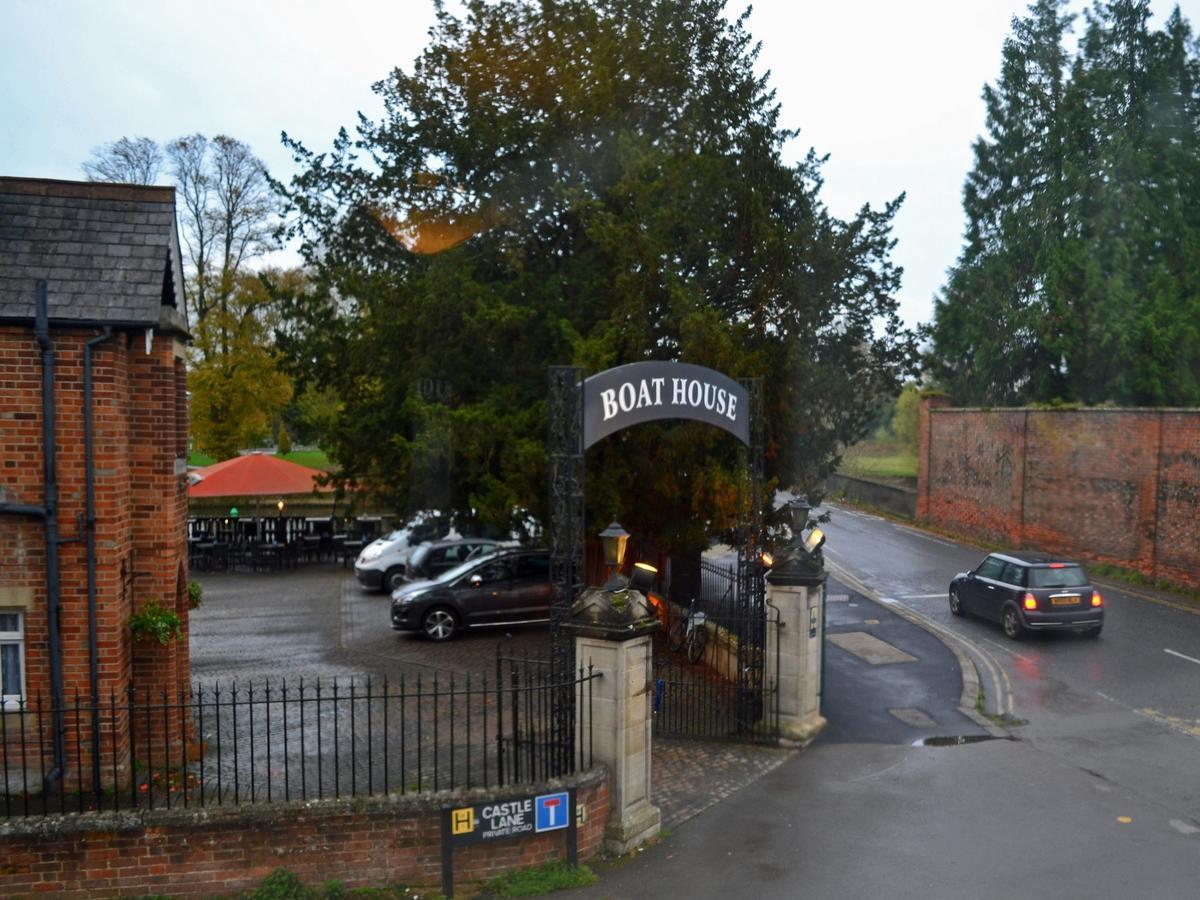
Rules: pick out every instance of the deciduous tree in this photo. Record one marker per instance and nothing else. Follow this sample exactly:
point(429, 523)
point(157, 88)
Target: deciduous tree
point(238, 391)
point(126, 161)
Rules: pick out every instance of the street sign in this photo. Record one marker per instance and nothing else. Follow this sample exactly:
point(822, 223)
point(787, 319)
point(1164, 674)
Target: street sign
point(506, 818)
point(550, 812)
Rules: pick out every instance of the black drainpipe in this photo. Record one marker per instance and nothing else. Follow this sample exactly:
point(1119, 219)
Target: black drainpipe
point(90, 462)
point(49, 514)
point(42, 332)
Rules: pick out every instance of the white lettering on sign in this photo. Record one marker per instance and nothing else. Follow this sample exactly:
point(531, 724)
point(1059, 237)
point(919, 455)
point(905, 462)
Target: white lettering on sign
point(684, 392)
point(501, 810)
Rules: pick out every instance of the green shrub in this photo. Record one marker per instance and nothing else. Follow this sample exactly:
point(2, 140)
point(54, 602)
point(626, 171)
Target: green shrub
point(195, 595)
point(155, 621)
point(282, 885)
point(906, 419)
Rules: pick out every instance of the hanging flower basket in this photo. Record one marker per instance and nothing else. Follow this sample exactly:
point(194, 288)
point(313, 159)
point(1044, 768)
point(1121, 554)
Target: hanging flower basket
point(155, 622)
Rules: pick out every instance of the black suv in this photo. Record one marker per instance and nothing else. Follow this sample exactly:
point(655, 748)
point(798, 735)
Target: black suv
point(1029, 592)
point(510, 587)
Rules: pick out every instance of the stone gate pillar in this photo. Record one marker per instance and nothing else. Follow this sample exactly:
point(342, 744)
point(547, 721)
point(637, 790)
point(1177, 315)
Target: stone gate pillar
point(618, 647)
point(795, 649)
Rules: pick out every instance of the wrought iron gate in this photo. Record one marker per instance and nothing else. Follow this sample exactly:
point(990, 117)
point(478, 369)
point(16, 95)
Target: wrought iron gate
point(725, 684)
point(728, 688)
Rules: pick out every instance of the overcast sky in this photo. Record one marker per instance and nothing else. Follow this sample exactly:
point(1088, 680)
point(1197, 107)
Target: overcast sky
point(890, 89)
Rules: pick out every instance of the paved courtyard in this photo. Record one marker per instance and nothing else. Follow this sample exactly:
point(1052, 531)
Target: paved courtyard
point(316, 622)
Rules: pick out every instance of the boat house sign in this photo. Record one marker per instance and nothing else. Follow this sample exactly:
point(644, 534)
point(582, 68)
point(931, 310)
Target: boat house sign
point(649, 391)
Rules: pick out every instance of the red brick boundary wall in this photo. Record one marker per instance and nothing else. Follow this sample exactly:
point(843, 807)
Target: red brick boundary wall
point(1116, 485)
point(362, 842)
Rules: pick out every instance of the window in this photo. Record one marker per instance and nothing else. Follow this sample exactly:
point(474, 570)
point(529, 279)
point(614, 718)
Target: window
point(535, 567)
point(991, 568)
point(494, 572)
point(12, 658)
point(1013, 574)
point(1063, 576)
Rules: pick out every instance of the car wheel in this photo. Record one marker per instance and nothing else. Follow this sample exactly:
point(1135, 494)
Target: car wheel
point(955, 603)
point(394, 578)
point(1012, 623)
point(439, 624)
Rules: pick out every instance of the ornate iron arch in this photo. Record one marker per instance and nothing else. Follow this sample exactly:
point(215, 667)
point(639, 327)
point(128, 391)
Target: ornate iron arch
point(581, 411)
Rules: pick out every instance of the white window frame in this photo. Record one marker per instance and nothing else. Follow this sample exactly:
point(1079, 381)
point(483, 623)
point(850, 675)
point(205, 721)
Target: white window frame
point(8, 699)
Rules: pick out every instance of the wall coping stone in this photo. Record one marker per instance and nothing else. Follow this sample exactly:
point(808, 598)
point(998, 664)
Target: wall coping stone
point(128, 821)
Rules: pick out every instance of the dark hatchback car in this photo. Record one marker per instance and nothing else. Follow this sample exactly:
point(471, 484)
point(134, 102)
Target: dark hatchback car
point(511, 587)
point(1029, 592)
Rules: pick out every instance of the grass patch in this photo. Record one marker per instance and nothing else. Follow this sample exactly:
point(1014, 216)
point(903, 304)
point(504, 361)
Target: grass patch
point(1129, 576)
point(554, 876)
point(283, 884)
point(877, 459)
point(998, 720)
point(314, 459)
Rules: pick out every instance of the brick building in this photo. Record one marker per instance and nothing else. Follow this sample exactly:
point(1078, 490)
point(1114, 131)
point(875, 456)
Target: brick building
point(93, 447)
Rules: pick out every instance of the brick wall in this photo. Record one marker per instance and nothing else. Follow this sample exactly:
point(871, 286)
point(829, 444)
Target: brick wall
point(140, 431)
point(369, 841)
point(1115, 485)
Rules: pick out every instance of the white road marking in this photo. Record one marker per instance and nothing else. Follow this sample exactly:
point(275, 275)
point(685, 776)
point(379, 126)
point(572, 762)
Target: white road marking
point(888, 600)
point(928, 537)
point(1182, 656)
point(1183, 827)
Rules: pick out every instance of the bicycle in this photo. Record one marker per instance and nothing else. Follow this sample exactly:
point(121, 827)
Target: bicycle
point(689, 632)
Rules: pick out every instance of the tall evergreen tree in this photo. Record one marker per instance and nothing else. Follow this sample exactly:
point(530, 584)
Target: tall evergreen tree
point(990, 325)
point(593, 183)
point(1077, 281)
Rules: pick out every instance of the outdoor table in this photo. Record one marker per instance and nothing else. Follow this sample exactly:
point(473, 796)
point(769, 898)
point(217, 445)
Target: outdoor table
point(310, 547)
point(350, 551)
point(270, 555)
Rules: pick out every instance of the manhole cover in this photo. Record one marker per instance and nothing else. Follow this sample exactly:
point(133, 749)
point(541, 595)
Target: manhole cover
point(870, 649)
point(914, 717)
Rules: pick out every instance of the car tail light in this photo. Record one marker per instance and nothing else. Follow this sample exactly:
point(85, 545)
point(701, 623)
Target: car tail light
point(1030, 601)
point(1097, 600)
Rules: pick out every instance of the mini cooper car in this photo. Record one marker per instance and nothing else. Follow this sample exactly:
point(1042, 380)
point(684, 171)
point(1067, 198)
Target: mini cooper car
point(511, 587)
point(1026, 591)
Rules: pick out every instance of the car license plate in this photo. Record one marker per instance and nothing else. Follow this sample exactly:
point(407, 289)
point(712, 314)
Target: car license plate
point(1070, 600)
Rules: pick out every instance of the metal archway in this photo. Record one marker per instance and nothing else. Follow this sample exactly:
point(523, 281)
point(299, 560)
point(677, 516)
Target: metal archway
point(582, 411)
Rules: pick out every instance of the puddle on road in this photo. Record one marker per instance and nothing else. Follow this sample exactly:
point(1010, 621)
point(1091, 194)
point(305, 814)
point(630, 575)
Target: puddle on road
point(956, 740)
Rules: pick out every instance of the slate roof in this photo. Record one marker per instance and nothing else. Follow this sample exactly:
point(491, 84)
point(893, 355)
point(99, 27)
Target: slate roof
point(109, 253)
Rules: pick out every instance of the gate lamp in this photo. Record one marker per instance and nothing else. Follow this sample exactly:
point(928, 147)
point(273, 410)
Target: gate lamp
point(804, 558)
point(643, 577)
point(613, 539)
point(798, 508)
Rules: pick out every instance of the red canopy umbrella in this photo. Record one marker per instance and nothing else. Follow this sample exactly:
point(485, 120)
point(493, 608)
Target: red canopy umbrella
point(254, 475)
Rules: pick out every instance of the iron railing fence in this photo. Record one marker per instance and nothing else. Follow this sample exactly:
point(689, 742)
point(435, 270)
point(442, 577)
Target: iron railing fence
point(273, 740)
